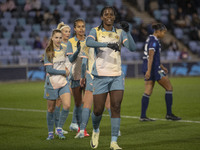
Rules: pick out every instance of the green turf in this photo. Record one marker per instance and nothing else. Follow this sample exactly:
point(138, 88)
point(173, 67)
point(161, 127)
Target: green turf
point(26, 130)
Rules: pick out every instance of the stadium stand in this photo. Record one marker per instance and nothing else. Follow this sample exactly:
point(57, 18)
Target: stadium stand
point(21, 21)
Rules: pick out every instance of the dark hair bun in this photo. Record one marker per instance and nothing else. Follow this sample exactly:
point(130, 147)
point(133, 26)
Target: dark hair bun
point(159, 26)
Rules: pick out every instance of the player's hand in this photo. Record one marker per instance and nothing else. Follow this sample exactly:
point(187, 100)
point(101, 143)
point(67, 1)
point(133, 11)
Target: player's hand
point(165, 70)
point(114, 46)
point(82, 82)
point(67, 71)
point(147, 75)
point(78, 45)
point(125, 26)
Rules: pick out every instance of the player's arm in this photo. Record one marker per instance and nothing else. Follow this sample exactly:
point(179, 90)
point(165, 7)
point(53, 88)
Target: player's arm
point(164, 68)
point(49, 68)
point(72, 56)
point(150, 62)
point(91, 40)
point(128, 41)
point(83, 71)
point(51, 71)
point(83, 67)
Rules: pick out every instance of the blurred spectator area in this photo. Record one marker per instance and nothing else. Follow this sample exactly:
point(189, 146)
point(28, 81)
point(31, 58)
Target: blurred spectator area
point(26, 25)
point(182, 18)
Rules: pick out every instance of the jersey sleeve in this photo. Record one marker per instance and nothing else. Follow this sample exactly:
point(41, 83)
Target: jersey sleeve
point(91, 40)
point(92, 34)
point(69, 50)
point(124, 37)
point(152, 45)
point(127, 41)
point(46, 61)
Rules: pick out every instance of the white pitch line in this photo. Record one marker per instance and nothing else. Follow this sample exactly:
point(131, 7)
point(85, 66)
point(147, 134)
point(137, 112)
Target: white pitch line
point(122, 116)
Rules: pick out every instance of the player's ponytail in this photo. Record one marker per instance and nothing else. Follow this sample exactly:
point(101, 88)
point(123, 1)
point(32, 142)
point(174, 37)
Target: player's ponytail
point(159, 26)
point(62, 25)
point(50, 48)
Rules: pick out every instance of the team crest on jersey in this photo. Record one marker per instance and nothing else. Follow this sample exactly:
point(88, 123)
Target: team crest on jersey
point(110, 35)
point(47, 94)
point(117, 37)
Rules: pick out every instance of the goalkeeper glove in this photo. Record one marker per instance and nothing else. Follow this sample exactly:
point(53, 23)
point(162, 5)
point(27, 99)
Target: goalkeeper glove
point(125, 26)
point(113, 46)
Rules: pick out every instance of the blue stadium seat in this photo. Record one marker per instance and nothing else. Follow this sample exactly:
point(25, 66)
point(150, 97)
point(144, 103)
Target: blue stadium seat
point(178, 32)
point(193, 46)
point(21, 41)
point(7, 34)
point(157, 14)
point(164, 19)
point(4, 42)
point(21, 21)
point(7, 15)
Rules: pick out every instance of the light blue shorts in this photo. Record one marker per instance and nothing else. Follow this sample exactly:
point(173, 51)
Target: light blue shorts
point(89, 84)
point(75, 83)
point(53, 94)
point(103, 84)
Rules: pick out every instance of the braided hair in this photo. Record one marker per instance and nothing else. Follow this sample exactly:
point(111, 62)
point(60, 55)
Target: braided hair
point(102, 11)
point(159, 26)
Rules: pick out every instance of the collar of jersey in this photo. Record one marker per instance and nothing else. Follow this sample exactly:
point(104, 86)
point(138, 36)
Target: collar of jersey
point(59, 49)
point(104, 30)
point(64, 43)
point(76, 39)
point(155, 37)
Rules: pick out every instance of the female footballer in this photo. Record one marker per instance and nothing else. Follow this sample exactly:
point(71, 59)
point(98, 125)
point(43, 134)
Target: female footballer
point(75, 46)
point(108, 77)
point(56, 84)
point(66, 30)
point(155, 71)
point(86, 80)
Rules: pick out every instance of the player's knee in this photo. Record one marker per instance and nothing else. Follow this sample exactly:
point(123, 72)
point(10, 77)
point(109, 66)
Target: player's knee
point(116, 108)
point(169, 88)
point(58, 104)
point(66, 106)
point(97, 113)
point(78, 104)
point(51, 109)
point(148, 92)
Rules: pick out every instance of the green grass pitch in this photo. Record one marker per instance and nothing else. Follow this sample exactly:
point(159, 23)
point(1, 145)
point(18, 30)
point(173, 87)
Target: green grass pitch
point(23, 127)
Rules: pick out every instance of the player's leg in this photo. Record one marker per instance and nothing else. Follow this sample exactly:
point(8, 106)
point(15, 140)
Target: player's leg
point(88, 99)
point(77, 92)
point(73, 126)
point(166, 84)
point(65, 96)
point(50, 118)
point(116, 97)
point(57, 111)
point(107, 106)
point(57, 115)
point(98, 108)
point(145, 99)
